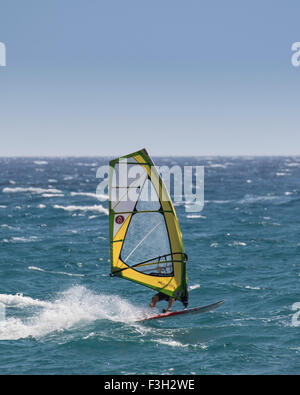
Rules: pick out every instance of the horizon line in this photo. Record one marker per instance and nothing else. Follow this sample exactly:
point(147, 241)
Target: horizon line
point(155, 155)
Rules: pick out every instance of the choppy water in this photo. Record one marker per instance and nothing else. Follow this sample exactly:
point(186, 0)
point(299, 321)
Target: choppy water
point(61, 313)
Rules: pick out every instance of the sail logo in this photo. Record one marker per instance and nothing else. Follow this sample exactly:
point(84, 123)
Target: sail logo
point(2, 54)
point(296, 55)
point(139, 184)
point(119, 219)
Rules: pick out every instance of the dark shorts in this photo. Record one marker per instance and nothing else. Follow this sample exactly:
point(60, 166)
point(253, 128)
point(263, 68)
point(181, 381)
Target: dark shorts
point(162, 296)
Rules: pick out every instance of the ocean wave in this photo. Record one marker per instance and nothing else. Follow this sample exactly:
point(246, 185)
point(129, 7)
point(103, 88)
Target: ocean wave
point(21, 239)
point(276, 199)
point(54, 272)
point(40, 162)
point(50, 195)
point(293, 164)
point(282, 174)
point(254, 199)
point(219, 201)
point(171, 343)
point(195, 216)
point(87, 164)
point(251, 287)
point(176, 343)
point(90, 194)
point(75, 306)
point(251, 199)
point(217, 165)
point(30, 189)
point(194, 286)
point(99, 208)
point(237, 243)
point(19, 300)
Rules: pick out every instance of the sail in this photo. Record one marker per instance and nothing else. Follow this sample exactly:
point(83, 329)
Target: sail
point(145, 238)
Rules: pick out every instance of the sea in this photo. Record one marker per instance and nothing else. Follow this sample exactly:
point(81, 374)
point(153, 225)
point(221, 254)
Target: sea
point(62, 314)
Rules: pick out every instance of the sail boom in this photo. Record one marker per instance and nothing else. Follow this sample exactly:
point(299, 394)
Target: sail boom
point(148, 264)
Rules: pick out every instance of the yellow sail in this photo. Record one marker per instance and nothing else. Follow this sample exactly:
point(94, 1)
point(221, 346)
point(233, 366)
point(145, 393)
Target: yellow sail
point(145, 238)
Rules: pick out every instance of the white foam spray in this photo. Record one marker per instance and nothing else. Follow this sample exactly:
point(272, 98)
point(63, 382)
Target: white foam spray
point(73, 307)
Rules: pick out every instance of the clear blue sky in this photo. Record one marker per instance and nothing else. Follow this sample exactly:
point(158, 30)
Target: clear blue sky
point(93, 77)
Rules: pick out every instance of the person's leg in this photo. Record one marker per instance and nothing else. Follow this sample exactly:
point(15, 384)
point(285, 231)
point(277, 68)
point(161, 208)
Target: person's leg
point(171, 302)
point(154, 300)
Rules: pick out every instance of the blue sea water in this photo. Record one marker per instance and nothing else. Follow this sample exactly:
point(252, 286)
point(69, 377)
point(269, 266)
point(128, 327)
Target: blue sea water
point(61, 313)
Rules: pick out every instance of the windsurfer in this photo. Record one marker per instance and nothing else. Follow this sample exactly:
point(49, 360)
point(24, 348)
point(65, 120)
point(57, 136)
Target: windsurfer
point(161, 296)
